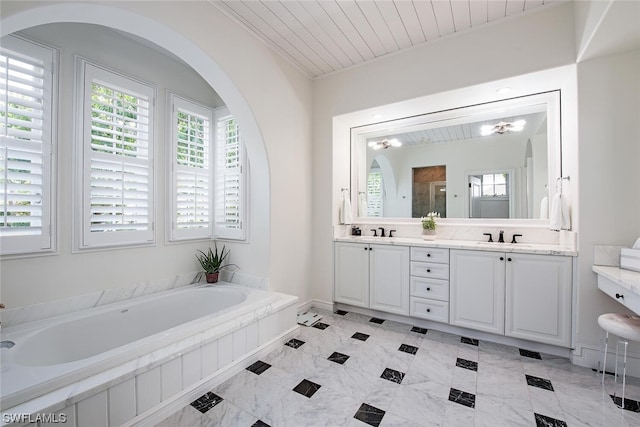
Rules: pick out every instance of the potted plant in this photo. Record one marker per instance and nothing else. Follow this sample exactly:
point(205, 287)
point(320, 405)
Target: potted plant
point(212, 261)
point(429, 225)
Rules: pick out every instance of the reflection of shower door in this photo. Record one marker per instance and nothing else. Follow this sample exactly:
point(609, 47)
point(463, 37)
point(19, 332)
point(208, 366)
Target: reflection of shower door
point(438, 197)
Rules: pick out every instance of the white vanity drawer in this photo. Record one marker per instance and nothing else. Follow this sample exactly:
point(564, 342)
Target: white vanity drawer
point(430, 255)
point(430, 270)
point(430, 288)
point(429, 309)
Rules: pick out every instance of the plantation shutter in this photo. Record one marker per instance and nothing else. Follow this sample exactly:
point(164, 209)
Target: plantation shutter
point(229, 179)
point(374, 193)
point(192, 189)
point(26, 92)
point(118, 165)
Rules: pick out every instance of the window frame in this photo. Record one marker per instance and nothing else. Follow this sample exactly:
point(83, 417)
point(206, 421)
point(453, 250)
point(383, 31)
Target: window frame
point(86, 72)
point(46, 242)
point(174, 104)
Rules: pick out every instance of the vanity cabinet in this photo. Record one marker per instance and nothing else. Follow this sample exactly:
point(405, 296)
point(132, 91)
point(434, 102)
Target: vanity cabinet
point(523, 296)
point(538, 298)
point(429, 284)
point(477, 287)
point(372, 276)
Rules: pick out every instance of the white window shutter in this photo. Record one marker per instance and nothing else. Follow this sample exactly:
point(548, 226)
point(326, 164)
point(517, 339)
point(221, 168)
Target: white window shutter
point(192, 189)
point(230, 193)
point(117, 146)
point(26, 129)
point(375, 193)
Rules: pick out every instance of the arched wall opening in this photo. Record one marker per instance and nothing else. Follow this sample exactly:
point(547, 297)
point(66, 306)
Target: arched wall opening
point(202, 62)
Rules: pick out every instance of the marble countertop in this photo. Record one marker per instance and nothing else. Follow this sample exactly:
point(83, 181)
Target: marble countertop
point(626, 278)
point(526, 248)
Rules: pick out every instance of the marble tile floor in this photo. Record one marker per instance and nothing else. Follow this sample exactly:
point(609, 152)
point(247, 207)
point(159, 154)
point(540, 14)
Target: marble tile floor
point(354, 370)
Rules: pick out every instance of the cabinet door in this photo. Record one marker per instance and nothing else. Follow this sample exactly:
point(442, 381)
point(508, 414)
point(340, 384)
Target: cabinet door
point(538, 298)
point(389, 278)
point(477, 290)
point(351, 270)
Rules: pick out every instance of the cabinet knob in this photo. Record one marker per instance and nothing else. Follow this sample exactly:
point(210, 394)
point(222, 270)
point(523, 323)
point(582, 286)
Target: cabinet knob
point(508, 259)
point(501, 258)
point(428, 310)
point(428, 270)
point(428, 255)
point(618, 296)
point(428, 289)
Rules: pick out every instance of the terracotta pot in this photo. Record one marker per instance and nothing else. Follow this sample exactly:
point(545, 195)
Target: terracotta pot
point(212, 277)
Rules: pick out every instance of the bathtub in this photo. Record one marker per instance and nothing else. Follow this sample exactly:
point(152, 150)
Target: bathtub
point(59, 353)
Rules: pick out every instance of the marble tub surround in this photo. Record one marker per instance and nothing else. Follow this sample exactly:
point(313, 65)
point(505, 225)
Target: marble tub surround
point(444, 380)
point(132, 388)
point(12, 316)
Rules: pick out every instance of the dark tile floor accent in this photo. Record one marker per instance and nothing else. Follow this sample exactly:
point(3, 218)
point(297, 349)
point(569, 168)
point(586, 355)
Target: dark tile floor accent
point(531, 354)
point(539, 382)
point(462, 397)
point(207, 401)
point(260, 423)
point(629, 404)
point(338, 357)
point(294, 343)
point(360, 336)
point(369, 414)
point(341, 312)
point(320, 325)
point(419, 330)
point(258, 367)
point(467, 364)
point(469, 341)
point(545, 421)
point(404, 389)
point(392, 375)
point(376, 320)
point(408, 349)
point(306, 388)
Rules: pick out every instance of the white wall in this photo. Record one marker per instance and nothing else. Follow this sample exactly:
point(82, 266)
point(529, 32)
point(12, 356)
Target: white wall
point(497, 51)
point(609, 159)
point(272, 102)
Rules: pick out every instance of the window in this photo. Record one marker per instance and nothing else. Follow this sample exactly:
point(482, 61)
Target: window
point(374, 193)
point(191, 190)
point(116, 146)
point(494, 184)
point(230, 191)
point(27, 76)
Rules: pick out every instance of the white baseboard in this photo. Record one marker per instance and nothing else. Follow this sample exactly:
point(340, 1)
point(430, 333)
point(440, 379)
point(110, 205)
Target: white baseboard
point(316, 303)
point(165, 409)
point(591, 357)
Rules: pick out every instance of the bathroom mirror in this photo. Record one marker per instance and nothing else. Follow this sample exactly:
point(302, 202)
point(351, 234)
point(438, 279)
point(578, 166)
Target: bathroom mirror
point(492, 160)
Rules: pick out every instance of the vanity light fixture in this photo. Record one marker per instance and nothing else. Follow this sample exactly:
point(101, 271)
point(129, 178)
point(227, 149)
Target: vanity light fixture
point(384, 144)
point(502, 127)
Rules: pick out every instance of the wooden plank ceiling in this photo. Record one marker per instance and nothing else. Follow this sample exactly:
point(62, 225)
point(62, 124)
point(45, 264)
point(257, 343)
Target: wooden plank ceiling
point(323, 36)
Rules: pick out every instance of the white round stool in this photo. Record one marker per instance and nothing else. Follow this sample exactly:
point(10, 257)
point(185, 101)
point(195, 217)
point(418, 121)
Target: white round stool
point(627, 328)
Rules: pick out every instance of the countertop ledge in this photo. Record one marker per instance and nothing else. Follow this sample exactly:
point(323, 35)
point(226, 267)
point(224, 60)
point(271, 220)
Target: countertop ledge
point(525, 248)
point(628, 279)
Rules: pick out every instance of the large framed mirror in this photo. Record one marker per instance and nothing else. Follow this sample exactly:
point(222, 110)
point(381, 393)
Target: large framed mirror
point(493, 160)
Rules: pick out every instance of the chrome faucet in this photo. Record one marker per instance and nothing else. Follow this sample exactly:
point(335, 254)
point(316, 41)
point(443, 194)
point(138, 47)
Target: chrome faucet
point(501, 238)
